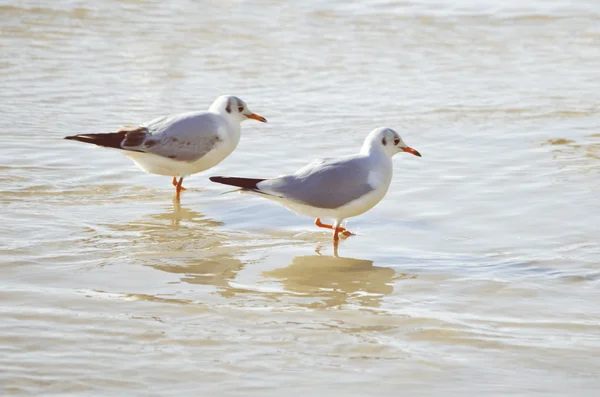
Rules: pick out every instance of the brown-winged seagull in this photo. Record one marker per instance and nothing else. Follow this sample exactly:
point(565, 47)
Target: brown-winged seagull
point(183, 144)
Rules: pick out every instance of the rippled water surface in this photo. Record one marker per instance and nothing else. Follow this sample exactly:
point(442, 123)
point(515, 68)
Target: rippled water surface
point(478, 273)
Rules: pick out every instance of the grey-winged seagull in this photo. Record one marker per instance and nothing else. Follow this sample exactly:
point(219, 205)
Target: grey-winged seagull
point(335, 188)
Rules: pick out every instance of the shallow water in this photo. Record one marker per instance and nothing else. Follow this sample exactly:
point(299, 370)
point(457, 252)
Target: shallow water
point(478, 273)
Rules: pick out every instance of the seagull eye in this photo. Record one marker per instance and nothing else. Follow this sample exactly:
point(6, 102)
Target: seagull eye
point(240, 109)
point(396, 141)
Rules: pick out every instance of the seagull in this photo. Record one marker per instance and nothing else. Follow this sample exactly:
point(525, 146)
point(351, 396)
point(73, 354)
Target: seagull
point(183, 144)
point(333, 188)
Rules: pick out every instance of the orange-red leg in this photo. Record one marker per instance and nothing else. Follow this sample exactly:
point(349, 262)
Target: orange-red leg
point(324, 225)
point(177, 185)
point(340, 229)
point(336, 237)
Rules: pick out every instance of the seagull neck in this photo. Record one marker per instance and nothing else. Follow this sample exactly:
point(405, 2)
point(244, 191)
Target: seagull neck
point(228, 118)
point(235, 129)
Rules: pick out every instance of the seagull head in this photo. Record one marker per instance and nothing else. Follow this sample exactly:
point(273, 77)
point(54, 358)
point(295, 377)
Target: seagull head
point(387, 140)
point(234, 108)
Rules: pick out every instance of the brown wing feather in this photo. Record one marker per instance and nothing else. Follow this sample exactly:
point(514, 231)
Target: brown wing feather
point(133, 136)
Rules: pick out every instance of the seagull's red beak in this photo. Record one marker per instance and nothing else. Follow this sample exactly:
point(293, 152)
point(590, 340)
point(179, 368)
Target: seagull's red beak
point(411, 151)
point(257, 117)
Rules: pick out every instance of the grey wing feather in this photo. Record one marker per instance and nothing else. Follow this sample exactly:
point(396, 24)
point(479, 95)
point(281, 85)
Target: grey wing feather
point(185, 137)
point(328, 183)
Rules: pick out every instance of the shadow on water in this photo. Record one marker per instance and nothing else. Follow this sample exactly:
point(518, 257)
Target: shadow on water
point(249, 268)
point(328, 281)
point(217, 272)
point(177, 213)
point(198, 250)
point(170, 228)
point(189, 244)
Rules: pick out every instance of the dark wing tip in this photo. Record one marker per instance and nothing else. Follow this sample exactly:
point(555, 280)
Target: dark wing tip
point(245, 183)
point(111, 139)
point(86, 138)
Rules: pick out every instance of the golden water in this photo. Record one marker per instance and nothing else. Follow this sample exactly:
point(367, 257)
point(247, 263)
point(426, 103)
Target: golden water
point(477, 274)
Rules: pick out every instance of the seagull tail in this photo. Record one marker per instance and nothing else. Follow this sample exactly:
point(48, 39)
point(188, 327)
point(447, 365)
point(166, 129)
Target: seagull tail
point(112, 139)
point(244, 183)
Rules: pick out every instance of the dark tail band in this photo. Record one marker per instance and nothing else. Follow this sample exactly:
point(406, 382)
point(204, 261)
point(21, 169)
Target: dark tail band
point(245, 183)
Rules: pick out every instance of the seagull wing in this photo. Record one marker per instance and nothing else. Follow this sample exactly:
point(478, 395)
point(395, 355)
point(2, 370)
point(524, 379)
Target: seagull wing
point(327, 183)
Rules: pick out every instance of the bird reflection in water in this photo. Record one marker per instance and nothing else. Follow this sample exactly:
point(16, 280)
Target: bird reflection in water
point(186, 243)
point(199, 251)
point(161, 226)
point(329, 281)
point(177, 213)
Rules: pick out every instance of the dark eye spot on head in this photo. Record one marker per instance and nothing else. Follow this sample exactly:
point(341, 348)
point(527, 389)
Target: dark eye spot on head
point(240, 104)
point(228, 108)
point(396, 140)
point(384, 141)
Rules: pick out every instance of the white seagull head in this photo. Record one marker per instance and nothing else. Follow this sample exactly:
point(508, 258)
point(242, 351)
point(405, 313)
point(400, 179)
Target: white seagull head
point(234, 108)
point(388, 141)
